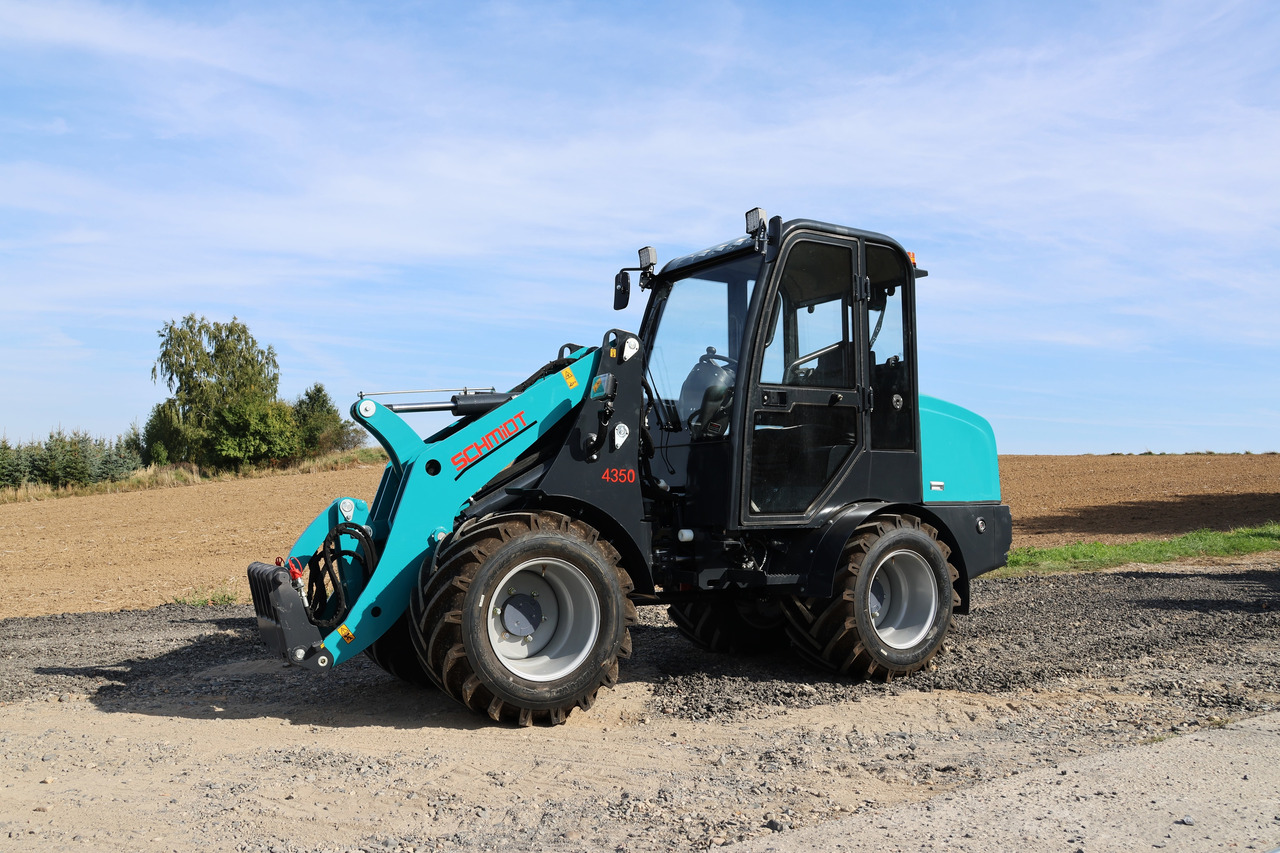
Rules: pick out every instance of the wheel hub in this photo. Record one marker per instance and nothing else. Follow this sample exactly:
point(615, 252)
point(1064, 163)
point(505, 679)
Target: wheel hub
point(521, 614)
point(544, 619)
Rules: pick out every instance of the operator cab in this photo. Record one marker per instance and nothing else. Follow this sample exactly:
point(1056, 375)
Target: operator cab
point(782, 367)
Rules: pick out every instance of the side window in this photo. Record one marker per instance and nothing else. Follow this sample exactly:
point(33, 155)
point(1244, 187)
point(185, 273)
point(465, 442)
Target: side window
point(808, 344)
point(893, 418)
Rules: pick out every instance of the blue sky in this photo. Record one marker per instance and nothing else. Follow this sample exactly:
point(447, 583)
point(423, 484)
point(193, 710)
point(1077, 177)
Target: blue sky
point(416, 195)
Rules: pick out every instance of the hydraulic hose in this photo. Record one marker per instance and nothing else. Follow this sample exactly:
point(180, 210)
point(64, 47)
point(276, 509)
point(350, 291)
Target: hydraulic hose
point(326, 567)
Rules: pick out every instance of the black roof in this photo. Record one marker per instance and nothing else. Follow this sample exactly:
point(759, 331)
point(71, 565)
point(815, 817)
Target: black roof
point(745, 241)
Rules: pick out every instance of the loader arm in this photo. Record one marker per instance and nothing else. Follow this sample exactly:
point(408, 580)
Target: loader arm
point(424, 488)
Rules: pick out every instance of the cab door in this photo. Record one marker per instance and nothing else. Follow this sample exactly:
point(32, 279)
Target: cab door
point(805, 419)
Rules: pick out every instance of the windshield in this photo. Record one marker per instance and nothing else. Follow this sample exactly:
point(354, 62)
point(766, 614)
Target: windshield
point(701, 329)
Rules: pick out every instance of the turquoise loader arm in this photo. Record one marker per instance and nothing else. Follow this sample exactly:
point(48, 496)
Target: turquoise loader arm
point(426, 486)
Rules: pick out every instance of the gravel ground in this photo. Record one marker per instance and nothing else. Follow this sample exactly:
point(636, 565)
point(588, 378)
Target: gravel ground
point(168, 728)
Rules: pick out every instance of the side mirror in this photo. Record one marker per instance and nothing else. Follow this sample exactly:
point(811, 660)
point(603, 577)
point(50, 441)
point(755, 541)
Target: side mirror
point(621, 290)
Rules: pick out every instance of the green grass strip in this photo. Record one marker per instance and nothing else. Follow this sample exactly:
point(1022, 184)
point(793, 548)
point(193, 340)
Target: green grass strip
point(208, 597)
point(1091, 556)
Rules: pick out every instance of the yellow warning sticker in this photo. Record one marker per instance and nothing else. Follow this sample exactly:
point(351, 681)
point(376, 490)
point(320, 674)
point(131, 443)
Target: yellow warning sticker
point(345, 633)
point(572, 380)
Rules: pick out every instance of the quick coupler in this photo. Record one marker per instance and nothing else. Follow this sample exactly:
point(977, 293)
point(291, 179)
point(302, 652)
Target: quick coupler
point(283, 621)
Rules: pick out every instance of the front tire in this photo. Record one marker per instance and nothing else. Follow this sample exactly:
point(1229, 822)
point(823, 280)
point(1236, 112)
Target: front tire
point(394, 654)
point(524, 618)
point(892, 607)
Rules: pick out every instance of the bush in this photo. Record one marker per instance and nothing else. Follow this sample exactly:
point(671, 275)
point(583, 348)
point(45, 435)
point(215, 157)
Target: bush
point(253, 432)
point(167, 438)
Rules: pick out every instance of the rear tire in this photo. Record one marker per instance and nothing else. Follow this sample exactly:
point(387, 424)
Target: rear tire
point(892, 607)
point(394, 653)
point(739, 626)
point(524, 618)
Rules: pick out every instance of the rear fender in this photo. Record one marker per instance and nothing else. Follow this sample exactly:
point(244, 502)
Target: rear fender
point(826, 544)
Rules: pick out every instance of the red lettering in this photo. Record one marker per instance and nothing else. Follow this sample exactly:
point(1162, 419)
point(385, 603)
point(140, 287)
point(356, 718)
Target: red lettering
point(491, 441)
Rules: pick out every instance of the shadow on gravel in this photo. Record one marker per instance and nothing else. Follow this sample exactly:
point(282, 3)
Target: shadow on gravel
point(1166, 518)
point(1247, 591)
point(198, 664)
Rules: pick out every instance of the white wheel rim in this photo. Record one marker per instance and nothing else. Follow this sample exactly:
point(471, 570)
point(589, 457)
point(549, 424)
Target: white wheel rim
point(557, 604)
point(902, 599)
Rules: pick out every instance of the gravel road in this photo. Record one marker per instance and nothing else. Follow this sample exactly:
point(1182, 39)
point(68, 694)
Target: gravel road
point(170, 729)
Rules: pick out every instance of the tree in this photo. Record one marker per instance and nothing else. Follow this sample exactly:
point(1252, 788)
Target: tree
point(66, 460)
point(321, 428)
point(210, 368)
point(12, 468)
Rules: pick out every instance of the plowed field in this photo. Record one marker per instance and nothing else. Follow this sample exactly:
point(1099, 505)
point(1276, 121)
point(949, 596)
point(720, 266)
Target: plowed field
point(142, 549)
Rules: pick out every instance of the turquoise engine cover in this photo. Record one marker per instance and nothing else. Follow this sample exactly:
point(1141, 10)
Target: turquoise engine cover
point(958, 462)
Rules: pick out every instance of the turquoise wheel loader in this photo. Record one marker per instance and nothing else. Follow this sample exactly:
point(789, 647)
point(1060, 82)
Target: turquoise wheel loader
point(758, 459)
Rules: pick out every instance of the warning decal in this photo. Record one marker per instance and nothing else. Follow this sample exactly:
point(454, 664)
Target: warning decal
point(569, 377)
point(345, 633)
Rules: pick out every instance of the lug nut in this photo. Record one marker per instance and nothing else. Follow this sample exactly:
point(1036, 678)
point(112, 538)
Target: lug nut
point(529, 639)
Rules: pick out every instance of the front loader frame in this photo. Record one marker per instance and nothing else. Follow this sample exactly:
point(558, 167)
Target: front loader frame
point(424, 488)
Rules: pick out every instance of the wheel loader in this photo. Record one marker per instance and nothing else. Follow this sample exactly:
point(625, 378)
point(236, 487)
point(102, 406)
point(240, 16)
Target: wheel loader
point(757, 458)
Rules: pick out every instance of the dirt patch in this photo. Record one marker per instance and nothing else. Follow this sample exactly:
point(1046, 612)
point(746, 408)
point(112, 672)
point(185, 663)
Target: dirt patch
point(143, 549)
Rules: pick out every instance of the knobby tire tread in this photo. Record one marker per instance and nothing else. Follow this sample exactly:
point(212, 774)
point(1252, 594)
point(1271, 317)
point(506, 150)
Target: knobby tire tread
point(824, 631)
point(438, 604)
point(717, 626)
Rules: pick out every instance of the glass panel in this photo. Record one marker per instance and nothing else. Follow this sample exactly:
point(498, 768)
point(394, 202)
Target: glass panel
point(693, 360)
point(808, 344)
point(892, 418)
point(795, 453)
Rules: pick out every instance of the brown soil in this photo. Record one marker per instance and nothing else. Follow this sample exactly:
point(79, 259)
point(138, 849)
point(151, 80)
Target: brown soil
point(1060, 500)
point(142, 549)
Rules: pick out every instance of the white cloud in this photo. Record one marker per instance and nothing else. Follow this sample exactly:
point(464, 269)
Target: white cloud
point(1076, 187)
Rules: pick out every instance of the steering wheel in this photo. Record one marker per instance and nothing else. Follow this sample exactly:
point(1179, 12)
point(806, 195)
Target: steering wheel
point(711, 357)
